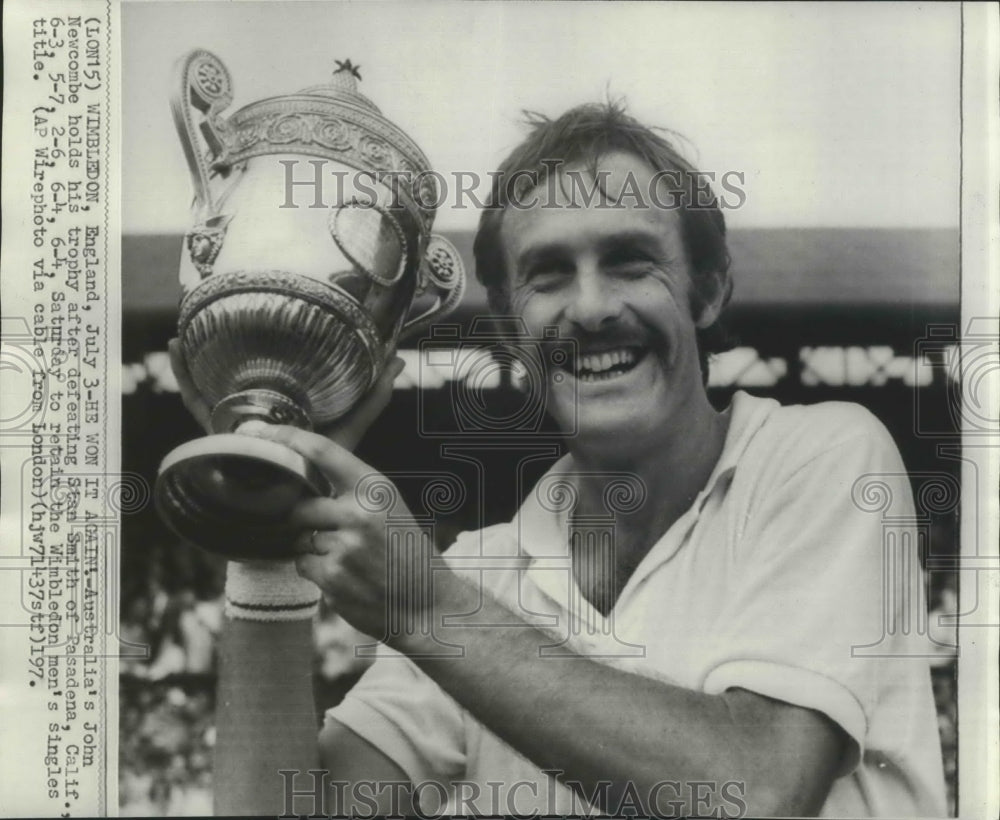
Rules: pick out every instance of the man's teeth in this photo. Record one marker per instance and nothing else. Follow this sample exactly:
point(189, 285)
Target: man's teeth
point(594, 364)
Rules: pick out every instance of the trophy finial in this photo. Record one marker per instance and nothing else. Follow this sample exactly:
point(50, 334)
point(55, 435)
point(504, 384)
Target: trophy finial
point(346, 76)
point(347, 65)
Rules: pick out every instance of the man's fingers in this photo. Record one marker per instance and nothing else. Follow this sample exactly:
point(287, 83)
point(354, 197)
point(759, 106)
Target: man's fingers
point(319, 556)
point(337, 464)
point(308, 543)
point(381, 393)
point(193, 401)
point(318, 541)
point(312, 567)
point(323, 513)
point(349, 430)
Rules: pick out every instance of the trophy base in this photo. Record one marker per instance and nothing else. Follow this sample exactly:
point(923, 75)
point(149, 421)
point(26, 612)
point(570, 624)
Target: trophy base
point(231, 494)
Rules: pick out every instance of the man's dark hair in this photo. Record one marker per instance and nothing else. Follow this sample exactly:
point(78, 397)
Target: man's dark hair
point(583, 135)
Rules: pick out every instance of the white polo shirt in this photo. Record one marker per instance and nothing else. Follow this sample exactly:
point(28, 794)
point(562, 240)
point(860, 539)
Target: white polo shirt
point(790, 576)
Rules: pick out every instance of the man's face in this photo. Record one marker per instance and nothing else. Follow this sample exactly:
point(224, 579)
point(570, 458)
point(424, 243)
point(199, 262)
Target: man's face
point(616, 279)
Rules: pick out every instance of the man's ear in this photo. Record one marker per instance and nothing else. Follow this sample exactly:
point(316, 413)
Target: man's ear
point(716, 287)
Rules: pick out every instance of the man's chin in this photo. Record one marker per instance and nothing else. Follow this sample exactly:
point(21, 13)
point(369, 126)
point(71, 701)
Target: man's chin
point(608, 425)
point(607, 410)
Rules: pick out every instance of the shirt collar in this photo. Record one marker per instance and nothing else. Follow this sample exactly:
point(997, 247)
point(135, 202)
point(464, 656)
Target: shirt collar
point(541, 522)
point(747, 415)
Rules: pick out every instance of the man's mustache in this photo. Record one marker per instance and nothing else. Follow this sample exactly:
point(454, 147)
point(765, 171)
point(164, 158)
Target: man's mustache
point(613, 338)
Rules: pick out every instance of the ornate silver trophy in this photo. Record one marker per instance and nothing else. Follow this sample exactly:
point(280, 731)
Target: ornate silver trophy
point(310, 250)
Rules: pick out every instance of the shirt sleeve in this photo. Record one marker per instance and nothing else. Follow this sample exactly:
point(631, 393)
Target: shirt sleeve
point(408, 717)
point(401, 711)
point(815, 584)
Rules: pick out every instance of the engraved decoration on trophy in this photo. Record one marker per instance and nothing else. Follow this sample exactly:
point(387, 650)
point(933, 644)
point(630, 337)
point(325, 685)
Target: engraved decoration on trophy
point(309, 257)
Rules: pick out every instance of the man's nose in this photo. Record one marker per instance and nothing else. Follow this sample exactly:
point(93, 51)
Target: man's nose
point(595, 300)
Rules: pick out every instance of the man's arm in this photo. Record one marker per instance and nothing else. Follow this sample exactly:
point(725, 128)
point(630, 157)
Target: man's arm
point(600, 724)
point(596, 723)
point(588, 720)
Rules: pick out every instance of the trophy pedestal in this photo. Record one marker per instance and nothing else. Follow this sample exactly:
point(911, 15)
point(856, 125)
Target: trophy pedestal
point(231, 494)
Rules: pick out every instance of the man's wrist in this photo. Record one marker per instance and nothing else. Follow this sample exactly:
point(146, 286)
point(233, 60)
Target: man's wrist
point(448, 596)
point(269, 591)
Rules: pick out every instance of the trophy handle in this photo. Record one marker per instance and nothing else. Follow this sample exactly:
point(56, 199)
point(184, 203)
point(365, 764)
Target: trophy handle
point(443, 273)
point(202, 90)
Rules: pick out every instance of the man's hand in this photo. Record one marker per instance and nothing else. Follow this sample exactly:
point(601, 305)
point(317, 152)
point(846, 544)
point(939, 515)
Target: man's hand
point(349, 430)
point(346, 431)
point(342, 548)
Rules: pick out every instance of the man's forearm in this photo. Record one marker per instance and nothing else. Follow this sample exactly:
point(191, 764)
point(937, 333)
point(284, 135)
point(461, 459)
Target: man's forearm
point(266, 715)
point(594, 723)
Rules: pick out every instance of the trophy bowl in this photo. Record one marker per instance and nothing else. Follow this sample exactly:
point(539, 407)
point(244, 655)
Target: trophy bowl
point(310, 256)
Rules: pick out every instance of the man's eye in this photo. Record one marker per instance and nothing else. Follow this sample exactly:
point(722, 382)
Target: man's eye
point(630, 266)
point(547, 278)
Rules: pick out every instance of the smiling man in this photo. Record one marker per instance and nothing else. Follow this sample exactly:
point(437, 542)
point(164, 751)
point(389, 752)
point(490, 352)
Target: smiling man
point(616, 279)
point(701, 664)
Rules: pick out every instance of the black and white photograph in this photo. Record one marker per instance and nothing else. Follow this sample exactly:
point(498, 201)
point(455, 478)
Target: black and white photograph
point(537, 409)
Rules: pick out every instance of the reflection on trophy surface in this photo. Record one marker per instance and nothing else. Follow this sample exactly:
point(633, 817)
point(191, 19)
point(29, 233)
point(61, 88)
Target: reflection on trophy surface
point(310, 250)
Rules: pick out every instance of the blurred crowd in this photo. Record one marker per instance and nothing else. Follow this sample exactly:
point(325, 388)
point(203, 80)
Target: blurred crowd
point(171, 622)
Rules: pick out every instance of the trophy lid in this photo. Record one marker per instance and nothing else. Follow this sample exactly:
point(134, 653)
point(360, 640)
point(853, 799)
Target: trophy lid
point(334, 121)
point(343, 86)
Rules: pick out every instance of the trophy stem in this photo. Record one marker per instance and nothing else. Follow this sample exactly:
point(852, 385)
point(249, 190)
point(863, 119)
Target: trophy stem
point(261, 404)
